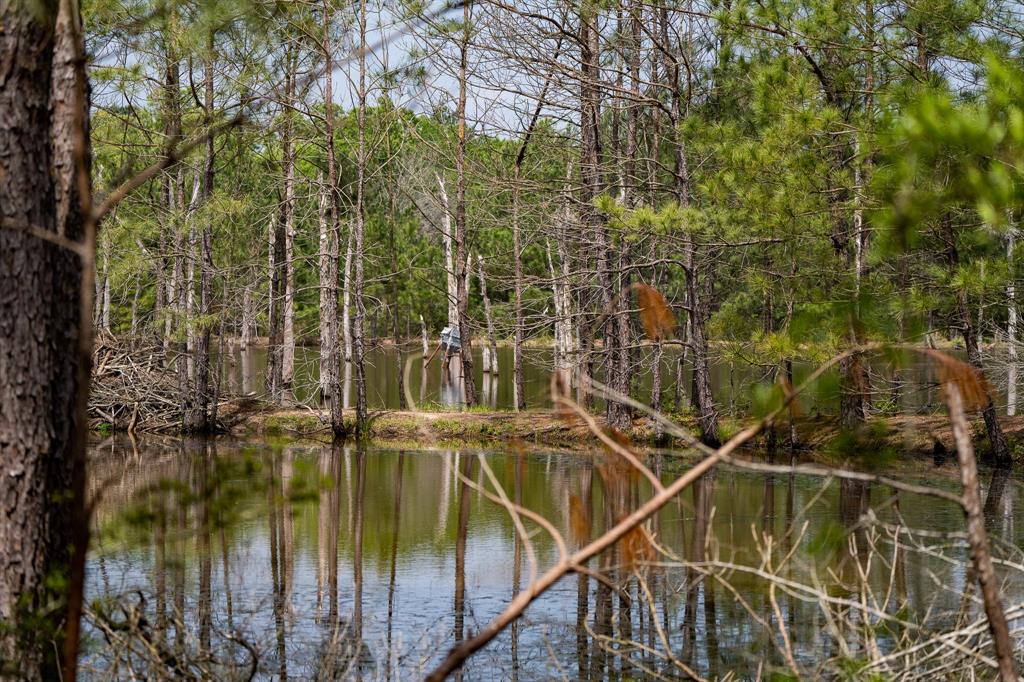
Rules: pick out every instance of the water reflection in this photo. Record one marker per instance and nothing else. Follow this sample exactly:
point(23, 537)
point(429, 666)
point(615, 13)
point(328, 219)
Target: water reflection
point(343, 562)
point(441, 382)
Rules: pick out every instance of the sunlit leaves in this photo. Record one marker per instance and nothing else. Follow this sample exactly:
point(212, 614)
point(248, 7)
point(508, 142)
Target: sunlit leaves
point(953, 154)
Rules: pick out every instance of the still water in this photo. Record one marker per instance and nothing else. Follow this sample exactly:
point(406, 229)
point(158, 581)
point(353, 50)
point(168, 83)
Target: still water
point(313, 562)
point(911, 387)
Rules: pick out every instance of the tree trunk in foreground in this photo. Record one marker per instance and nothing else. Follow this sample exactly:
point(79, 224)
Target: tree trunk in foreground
point(977, 538)
point(42, 376)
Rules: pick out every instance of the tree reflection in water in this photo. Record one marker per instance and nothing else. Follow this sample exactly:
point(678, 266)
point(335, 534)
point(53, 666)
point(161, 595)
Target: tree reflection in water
point(308, 561)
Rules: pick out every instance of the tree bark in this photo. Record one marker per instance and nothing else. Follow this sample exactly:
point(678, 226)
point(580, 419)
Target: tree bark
point(360, 317)
point(43, 332)
point(518, 399)
point(1011, 328)
point(461, 233)
point(591, 186)
point(492, 338)
point(707, 416)
point(274, 381)
point(288, 168)
point(331, 271)
point(198, 418)
point(328, 304)
point(977, 538)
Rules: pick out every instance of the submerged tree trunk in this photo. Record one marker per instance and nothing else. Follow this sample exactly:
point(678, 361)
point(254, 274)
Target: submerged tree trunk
point(45, 325)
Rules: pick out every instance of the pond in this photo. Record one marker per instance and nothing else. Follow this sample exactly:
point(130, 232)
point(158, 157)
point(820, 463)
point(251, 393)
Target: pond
point(913, 387)
point(227, 558)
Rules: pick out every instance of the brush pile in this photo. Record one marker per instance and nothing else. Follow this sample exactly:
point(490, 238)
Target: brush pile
point(134, 386)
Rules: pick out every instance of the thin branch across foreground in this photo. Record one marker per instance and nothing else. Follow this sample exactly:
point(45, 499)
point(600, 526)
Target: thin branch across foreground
point(963, 389)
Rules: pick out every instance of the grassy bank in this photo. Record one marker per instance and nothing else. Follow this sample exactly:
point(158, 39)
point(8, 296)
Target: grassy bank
point(885, 440)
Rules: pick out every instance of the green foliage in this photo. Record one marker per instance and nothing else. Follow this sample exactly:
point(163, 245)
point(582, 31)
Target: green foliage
point(869, 446)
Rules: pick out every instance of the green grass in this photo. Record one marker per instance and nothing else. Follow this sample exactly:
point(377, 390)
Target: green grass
point(277, 424)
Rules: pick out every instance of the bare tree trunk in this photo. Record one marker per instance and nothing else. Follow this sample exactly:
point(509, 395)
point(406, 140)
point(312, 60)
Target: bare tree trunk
point(198, 419)
point(395, 321)
point(492, 338)
point(346, 296)
point(570, 352)
point(274, 382)
point(168, 188)
point(105, 315)
point(248, 315)
point(45, 336)
point(556, 298)
point(331, 271)
point(1011, 328)
point(448, 239)
point(360, 317)
point(288, 168)
point(426, 339)
point(707, 417)
point(189, 318)
point(135, 309)
point(977, 538)
point(461, 232)
point(591, 187)
point(518, 399)
point(656, 384)
point(328, 247)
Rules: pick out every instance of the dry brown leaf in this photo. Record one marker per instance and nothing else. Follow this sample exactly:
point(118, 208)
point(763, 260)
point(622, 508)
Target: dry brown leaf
point(974, 389)
point(655, 312)
point(635, 547)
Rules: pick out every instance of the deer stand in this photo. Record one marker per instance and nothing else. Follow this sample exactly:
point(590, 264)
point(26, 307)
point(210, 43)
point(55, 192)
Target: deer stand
point(451, 374)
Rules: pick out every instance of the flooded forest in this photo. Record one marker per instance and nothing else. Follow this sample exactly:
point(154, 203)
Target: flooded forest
point(583, 340)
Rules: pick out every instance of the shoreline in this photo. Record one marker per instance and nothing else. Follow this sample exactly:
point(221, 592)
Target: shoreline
point(886, 440)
